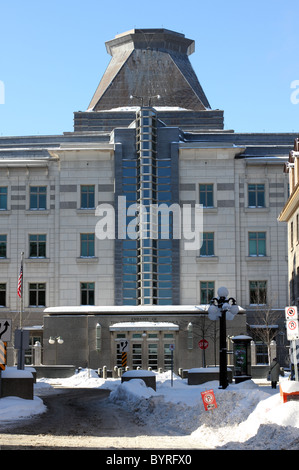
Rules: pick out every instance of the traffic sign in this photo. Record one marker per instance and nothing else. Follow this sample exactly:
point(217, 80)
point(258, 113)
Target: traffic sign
point(5, 330)
point(292, 329)
point(209, 400)
point(124, 345)
point(291, 313)
point(203, 344)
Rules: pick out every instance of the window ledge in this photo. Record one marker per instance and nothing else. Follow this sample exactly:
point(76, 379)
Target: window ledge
point(87, 211)
point(258, 258)
point(210, 210)
point(256, 209)
point(42, 307)
point(207, 259)
point(37, 212)
point(5, 212)
point(37, 260)
point(4, 260)
point(87, 259)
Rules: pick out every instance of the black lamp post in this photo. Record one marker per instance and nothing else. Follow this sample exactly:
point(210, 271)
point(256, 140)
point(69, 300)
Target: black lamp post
point(223, 308)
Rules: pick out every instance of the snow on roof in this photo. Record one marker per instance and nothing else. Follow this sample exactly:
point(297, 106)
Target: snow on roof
point(140, 309)
point(139, 373)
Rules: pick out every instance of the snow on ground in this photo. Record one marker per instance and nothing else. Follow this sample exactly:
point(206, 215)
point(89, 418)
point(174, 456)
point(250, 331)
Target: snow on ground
point(249, 415)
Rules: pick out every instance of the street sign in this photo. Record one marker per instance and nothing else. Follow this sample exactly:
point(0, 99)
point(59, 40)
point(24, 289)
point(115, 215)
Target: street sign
point(203, 344)
point(292, 329)
point(209, 400)
point(124, 345)
point(291, 313)
point(5, 330)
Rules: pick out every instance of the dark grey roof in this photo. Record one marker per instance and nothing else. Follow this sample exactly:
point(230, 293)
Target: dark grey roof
point(146, 63)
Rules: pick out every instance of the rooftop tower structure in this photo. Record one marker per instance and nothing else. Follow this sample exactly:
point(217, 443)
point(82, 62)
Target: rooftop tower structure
point(142, 62)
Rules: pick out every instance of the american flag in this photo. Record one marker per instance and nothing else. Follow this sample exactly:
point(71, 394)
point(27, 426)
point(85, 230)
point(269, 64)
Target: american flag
point(20, 282)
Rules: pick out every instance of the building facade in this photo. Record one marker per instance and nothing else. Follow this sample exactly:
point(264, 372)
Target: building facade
point(93, 260)
point(290, 215)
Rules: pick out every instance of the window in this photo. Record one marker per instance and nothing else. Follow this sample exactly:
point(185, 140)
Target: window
point(2, 295)
point(261, 353)
point(207, 248)
point(3, 246)
point(87, 197)
point(38, 197)
point(3, 198)
point(87, 293)
point(257, 243)
point(256, 195)
point(136, 355)
point(258, 292)
point(37, 295)
point(167, 356)
point(206, 195)
point(37, 246)
point(87, 245)
point(152, 355)
point(207, 289)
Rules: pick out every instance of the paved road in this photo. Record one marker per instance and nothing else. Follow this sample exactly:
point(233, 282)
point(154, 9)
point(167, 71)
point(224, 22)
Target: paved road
point(85, 419)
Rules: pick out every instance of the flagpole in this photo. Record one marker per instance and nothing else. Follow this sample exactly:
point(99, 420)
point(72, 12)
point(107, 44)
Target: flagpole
point(20, 289)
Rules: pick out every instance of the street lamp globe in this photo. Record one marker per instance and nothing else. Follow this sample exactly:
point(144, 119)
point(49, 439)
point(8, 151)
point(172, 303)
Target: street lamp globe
point(222, 292)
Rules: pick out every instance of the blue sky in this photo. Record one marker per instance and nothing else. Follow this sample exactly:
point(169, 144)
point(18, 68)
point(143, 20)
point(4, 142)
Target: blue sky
point(53, 55)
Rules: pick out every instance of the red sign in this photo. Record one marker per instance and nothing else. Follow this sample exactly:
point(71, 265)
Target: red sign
point(203, 344)
point(209, 400)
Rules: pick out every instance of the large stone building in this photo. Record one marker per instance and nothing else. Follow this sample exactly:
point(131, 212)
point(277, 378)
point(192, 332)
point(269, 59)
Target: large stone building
point(290, 215)
point(148, 137)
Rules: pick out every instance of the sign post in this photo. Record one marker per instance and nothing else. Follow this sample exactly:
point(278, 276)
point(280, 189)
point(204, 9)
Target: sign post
point(203, 345)
point(124, 346)
point(3, 361)
point(171, 347)
point(292, 326)
point(3, 355)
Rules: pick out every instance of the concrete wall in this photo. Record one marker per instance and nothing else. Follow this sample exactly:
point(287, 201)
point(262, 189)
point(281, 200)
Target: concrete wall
point(79, 335)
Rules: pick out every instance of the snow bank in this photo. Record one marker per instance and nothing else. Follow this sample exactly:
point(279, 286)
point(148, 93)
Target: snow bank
point(248, 415)
point(289, 386)
point(14, 408)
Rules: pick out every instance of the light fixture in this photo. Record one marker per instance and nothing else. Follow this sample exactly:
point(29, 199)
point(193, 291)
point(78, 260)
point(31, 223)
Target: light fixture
point(223, 308)
point(52, 339)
